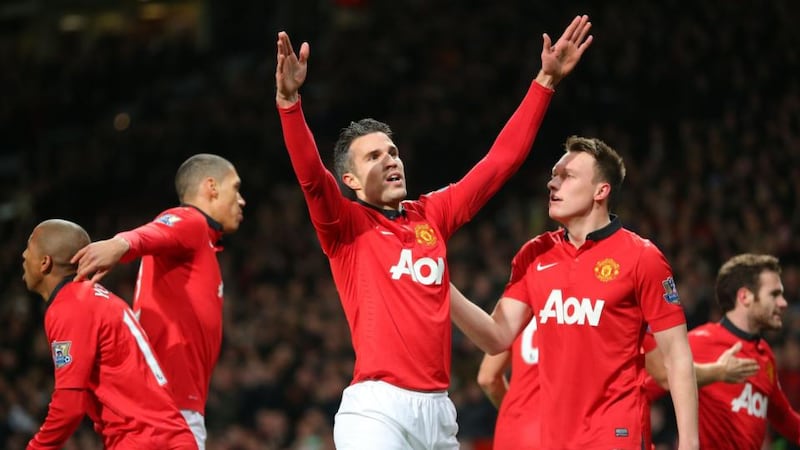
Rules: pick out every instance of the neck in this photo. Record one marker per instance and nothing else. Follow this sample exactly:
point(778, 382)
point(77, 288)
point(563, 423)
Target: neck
point(50, 282)
point(739, 319)
point(579, 227)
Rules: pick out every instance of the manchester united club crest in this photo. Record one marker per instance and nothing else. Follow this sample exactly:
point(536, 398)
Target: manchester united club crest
point(61, 356)
point(425, 235)
point(606, 270)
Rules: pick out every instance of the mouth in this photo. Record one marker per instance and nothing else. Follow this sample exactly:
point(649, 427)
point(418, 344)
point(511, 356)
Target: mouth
point(394, 178)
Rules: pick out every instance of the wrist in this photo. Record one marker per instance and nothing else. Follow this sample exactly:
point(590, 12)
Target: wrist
point(546, 80)
point(123, 244)
point(285, 101)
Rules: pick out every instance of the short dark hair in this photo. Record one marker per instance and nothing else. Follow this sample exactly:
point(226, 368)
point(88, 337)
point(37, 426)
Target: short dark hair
point(610, 166)
point(197, 167)
point(742, 271)
point(61, 240)
point(342, 163)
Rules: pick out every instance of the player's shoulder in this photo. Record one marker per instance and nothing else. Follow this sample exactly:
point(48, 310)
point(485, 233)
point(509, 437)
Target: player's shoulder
point(708, 330)
point(77, 298)
point(539, 245)
point(638, 247)
point(178, 214)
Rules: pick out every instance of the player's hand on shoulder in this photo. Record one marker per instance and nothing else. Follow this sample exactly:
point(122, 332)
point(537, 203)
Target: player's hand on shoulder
point(97, 258)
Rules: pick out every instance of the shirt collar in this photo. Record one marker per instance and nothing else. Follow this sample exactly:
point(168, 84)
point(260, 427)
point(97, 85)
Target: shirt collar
point(602, 233)
point(58, 287)
point(211, 222)
point(390, 214)
point(738, 332)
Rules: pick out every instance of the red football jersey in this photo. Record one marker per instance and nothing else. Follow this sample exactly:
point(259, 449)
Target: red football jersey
point(735, 416)
point(178, 297)
point(98, 347)
point(391, 269)
point(518, 424)
point(593, 305)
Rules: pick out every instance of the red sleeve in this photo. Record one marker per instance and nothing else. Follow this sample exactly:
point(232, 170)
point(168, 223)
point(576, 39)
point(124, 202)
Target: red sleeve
point(782, 417)
point(72, 334)
point(509, 151)
point(64, 415)
point(173, 232)
point(320, 188)
point(656, 291)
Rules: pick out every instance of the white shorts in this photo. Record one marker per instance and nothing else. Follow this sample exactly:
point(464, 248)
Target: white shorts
point(197, 424)
point(378, 415)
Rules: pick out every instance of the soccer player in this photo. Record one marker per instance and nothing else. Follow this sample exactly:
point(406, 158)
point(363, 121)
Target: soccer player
point(517, 425)
point(594, 287)
point(735, 416)
point(179, 290)
point(104, 365)
point(388, 256)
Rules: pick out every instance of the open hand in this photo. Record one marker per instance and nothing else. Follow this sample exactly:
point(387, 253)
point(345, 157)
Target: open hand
point(560, 58)
point(291, 69)
point(736, 370)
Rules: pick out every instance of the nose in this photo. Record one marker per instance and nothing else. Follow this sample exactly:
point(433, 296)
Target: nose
point(240, 200)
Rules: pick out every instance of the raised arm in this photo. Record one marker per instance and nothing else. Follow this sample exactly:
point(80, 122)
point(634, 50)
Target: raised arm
point(168, 234)
point(513, 144)
point(320, 187)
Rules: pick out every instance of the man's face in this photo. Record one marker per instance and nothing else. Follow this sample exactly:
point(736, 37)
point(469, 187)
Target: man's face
point(378, 176)
point(229, 203)
point(572, 187)
point(32, 264)
point(769, 303)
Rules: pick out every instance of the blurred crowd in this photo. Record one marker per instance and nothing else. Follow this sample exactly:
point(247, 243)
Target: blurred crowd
point(703, 102)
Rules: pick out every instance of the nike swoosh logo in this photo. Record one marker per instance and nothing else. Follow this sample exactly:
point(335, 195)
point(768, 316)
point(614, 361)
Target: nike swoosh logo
point(540, 267)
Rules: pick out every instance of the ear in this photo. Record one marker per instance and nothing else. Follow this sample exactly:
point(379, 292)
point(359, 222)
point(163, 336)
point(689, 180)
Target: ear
point(351, 181)
point(209, 188)
point(744, 296)
point(602, 191)
point(46, 265)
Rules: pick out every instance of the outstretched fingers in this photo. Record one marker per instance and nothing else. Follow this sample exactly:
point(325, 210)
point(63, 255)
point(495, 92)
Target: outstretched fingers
point(583, 31)
point(571, 31)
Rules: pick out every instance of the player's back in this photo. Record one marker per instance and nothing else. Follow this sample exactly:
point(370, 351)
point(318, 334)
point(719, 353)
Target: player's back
point(128, 396)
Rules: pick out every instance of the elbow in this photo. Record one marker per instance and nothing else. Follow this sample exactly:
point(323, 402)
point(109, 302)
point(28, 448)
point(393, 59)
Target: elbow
point(486, 380)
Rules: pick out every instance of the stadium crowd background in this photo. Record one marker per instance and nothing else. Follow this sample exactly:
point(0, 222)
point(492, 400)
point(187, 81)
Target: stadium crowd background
point(703, 102)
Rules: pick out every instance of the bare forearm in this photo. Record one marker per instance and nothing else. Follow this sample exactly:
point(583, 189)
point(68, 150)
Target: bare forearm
point(707, 373)
point(495, 390)
point(477, 325)
point(683, 388)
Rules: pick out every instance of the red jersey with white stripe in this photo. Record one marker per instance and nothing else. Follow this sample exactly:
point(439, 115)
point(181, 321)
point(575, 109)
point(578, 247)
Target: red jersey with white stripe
point(178, 297)
point(390, 268)
point(99, 348)
point(735, 416)
point(593, 305)
point(517, 425)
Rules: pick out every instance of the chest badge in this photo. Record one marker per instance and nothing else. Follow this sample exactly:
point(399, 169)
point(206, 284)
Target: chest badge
point(425, 235)
point(606, 270)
